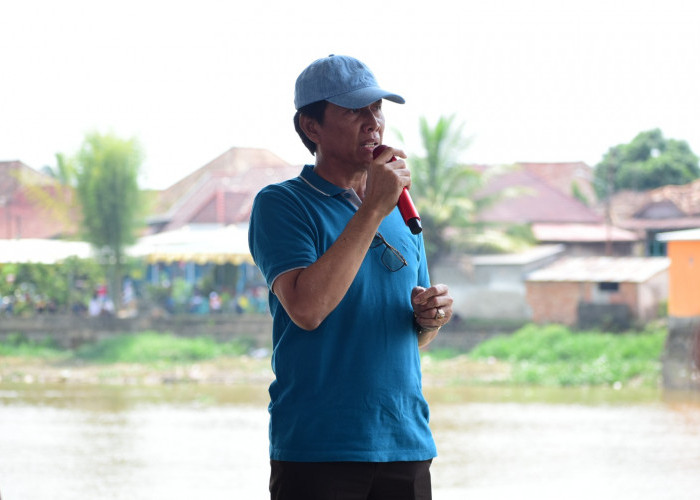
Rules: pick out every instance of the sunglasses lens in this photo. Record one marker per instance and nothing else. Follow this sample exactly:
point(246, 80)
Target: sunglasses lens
point(392, 259)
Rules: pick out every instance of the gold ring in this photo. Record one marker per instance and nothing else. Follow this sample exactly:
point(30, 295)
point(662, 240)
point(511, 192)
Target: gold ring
point(439, 313)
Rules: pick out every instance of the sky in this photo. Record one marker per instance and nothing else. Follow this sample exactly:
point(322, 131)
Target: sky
point(529, 80)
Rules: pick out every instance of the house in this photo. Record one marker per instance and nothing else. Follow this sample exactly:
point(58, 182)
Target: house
point(549, 197)
point(221, 192)
point(33, 204)
point(607, 292)
point(588, 240)
point(571, 178)
point(664, 209)
point(200, 220)
point(492, 286)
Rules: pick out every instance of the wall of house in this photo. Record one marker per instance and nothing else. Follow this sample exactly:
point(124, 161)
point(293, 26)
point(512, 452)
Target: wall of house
point(650, 295)
point(618, 249)
point(554, 301)
point(626, 294)
point(492, 287)
point(558, 302)
point(684, 276)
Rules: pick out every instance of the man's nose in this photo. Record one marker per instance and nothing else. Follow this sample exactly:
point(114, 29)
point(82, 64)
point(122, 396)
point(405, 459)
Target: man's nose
point(372, 121)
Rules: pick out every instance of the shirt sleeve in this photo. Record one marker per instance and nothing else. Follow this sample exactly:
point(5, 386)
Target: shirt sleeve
point(280, 237)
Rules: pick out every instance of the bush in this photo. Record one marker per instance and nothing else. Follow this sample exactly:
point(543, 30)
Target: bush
point(554, 355)
point(18, 345)
point(32, 287)
point(153, 347)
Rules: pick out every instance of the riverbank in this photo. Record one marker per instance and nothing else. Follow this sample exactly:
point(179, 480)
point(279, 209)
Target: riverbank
point(235, 370)
point(550, 355)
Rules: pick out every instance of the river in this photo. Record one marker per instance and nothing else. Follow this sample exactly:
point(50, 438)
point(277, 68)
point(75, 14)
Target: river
point(185, 441)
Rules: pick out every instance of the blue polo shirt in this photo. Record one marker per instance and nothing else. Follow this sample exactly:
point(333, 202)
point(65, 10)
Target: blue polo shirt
point(351, 389)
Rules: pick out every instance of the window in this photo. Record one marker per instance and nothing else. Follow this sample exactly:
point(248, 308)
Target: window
point(608, 286)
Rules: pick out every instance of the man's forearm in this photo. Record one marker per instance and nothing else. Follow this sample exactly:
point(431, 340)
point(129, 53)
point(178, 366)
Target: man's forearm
point(309, 295)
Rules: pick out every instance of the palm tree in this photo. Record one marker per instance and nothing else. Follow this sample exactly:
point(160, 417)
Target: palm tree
point(447, 193)
point(56, 196)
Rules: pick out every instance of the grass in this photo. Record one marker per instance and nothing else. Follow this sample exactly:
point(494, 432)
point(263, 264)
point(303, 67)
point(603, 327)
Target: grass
point(555, 355)
point(153, 347)
point(146, 348)
point(17, 345)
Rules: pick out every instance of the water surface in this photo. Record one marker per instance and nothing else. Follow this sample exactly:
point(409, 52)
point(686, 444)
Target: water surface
point(65, 442)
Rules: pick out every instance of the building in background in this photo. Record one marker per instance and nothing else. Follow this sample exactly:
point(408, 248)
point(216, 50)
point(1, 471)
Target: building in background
point(615, 293)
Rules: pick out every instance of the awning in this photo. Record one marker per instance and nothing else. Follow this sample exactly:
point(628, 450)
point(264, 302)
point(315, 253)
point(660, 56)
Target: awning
point(200, 244)
point(41, 251)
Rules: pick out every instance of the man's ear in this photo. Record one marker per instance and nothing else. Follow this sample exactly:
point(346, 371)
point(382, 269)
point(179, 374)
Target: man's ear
point(310, 127)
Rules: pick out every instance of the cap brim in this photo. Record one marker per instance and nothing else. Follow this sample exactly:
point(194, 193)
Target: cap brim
point(364, 97)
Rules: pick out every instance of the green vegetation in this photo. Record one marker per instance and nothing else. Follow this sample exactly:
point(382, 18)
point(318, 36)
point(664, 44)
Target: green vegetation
point(145, 348)
point(30, 287)
point(153, 347)
point(554, 355)
point(534, 355)
point(649, 161)
point(450, 195)
point(17, 345)
point(106, 173)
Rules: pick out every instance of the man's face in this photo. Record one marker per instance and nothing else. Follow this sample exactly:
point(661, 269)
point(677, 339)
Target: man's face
point(350, 135)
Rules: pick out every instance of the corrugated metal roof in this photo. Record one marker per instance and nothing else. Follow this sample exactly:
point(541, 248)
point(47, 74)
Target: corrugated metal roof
point(602, 269)
point(687, 235)
point(525, 257)
point(585, 233)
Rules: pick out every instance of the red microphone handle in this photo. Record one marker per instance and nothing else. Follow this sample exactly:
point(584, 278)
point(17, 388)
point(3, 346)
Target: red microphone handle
point(409, 212)
point(406, 207)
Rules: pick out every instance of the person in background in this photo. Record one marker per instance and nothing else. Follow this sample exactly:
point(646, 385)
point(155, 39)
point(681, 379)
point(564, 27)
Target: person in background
point(351, 302)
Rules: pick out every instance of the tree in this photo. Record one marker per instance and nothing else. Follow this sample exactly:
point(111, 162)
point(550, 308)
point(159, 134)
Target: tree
point(106, 173)
point(64, 172)
point(56, 198)
point(648, 162)
point(446, 192)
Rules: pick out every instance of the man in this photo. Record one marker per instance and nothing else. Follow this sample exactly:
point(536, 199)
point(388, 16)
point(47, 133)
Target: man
point(351, 303)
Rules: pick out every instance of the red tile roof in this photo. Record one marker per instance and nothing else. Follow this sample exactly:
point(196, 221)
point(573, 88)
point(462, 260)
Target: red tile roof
point(686, 198)
point(25, 211)
point(222, 191)
point(564, 175)
point(544, 196)
point(666, 207)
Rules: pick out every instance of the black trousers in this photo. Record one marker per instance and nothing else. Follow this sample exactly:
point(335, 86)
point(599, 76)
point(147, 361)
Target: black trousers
point(350, 480)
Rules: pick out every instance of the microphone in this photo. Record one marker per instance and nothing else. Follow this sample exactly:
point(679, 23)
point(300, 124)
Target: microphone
point(405, 203)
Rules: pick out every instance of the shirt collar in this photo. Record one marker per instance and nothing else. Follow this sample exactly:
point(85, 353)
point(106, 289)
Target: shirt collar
point(326, 188)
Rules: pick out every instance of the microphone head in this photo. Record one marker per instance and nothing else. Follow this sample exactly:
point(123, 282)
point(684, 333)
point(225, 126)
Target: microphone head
point(378, 150)
point(414, 225)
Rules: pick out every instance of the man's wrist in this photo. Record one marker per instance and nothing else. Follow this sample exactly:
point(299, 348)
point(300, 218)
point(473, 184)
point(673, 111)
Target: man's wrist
point(420, 329)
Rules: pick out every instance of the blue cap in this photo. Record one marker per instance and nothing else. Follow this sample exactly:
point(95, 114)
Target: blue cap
point(342, 80)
